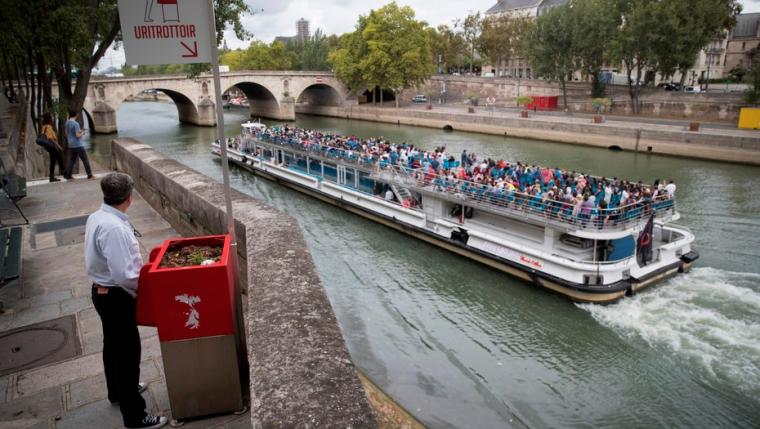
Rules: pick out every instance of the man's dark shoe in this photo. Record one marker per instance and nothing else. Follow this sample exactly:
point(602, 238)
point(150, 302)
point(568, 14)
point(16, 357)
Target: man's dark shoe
point(54, 179)
point(90, 177)
point(150, 422)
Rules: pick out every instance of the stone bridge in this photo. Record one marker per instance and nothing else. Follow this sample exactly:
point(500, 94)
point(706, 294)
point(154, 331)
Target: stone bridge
point(271, 95)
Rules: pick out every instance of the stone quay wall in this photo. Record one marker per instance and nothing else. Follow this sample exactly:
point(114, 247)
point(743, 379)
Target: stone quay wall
point(655, 103)
point(737, 148)
point(300, 370)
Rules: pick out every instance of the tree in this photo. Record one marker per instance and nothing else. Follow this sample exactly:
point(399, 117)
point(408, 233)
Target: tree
point(688, 27)
point(389, 49)
point(91, 26)
point(398, 49)
point(594, 23)
point(635, 43)
point(752, 94)
point(449, 45)
point(502, 38)
point(551, 47)
point(471, 28)
point(346, 59)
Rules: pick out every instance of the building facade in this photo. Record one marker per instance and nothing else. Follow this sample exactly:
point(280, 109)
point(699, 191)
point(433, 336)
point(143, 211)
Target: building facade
point(518, 67)
point(302, 29)
point(743, 43)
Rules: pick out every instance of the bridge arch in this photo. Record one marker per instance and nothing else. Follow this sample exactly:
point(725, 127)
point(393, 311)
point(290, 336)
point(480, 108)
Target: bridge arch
point(262, 102)
point(271, 95)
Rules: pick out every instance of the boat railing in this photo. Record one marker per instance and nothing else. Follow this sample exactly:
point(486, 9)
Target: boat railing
point(477, 195)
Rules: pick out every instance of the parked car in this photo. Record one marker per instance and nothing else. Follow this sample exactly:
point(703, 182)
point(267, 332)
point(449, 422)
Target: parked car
point(669, 86)
point(419, 98)
point(694, 89)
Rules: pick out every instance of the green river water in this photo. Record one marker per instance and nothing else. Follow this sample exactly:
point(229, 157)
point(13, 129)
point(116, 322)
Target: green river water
point(463, 346)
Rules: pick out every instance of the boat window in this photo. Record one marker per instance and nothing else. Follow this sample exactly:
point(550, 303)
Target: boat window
point(315, 166)
point(365, 183)
point(350, 177)
point(289, 159)
point(331, 172)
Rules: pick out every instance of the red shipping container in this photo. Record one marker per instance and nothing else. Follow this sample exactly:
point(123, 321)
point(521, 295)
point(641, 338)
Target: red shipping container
point(188, 302)
point(543, 103)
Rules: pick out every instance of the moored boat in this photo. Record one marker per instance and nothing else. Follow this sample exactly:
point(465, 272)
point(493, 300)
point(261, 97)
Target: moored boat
point(594, 254)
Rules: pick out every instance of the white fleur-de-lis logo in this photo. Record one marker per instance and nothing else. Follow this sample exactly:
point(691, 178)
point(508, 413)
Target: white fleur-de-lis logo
point(193, 317)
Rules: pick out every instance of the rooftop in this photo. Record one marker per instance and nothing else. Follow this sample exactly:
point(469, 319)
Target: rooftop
point(746, 25)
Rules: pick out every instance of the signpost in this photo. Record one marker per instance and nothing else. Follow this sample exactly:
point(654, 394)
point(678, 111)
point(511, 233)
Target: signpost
point(178, 32)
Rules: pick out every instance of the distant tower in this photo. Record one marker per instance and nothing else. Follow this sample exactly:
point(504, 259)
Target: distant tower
point(224, 45)
point(302, 29)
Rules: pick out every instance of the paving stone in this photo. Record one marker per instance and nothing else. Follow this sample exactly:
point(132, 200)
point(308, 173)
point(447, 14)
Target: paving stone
point(88, 314)
point(149, 371)
point(4, 381)
point(100, 414)
point(32, 409)
point(151, 347)
point(36, 314)
point(147, 331)
point(92, 344)
point(242, 422)
point(87, 391)
point(50, 298)
point(74, 305)
point(160, 397)
point(39, 379)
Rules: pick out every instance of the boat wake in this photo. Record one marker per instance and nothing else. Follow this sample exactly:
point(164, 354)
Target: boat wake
point(708, 317)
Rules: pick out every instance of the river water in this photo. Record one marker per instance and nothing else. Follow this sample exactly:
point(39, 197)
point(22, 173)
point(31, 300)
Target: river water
point(463, 346)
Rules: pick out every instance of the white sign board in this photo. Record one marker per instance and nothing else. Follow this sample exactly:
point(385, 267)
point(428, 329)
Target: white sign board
point(166, 31)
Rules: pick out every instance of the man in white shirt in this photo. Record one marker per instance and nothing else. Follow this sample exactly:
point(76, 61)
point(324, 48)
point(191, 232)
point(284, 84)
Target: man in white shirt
point(671, 188)
point(113, 262)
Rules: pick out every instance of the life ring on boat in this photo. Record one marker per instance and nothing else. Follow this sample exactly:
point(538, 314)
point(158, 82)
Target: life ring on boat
point(645, 239)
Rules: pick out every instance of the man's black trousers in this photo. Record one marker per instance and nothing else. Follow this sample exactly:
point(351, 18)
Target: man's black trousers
point(121, 351)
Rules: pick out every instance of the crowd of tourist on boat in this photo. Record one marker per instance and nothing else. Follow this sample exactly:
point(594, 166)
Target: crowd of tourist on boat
point(551, 192)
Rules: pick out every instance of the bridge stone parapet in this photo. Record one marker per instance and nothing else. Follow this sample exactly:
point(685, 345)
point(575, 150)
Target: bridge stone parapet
point(271, 94)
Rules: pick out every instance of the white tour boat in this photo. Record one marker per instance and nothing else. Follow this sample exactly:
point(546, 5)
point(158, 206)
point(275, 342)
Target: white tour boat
point(599, 258)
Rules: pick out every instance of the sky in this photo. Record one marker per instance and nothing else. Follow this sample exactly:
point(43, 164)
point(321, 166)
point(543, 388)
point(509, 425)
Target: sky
point(274, 18)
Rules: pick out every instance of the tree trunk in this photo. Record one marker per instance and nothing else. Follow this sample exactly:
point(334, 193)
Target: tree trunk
point(373, 96)
point(683, 80)
point(381, 96)
point(564, 91)
point(395, 96)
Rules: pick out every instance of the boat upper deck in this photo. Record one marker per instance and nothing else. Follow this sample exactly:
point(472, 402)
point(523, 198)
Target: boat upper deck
point(536, 209)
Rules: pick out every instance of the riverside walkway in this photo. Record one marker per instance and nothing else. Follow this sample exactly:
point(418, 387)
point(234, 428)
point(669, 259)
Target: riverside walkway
point(65, 388)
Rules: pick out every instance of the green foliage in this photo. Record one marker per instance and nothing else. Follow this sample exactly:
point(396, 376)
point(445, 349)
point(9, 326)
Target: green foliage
point(389, 49)
point(524, 100)
point(551, 49)
point(752, 94)
point(449, 45)
point(260, 56)
point(471, 28)
point(738, 73)
point(593, 24)
point(601, 104)
point(502, 38)
point(345, 60)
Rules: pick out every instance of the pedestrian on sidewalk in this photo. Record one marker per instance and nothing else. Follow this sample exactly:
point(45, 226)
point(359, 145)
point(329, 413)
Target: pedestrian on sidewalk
point(113, 262)
point(74, 133)
point(50, 143)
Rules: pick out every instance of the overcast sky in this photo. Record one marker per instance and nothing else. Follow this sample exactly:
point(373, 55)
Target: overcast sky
point(278, 18)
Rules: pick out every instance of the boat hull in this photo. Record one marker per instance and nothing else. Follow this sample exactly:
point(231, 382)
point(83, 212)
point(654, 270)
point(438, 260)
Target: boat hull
point(577, 292)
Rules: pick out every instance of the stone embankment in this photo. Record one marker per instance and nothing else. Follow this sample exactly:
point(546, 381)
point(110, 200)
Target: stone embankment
point(715, 144)
point(300, 369)
point(655, 103)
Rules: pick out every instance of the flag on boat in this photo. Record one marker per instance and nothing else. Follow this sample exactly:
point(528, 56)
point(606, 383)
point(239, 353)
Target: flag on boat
point(644, 244)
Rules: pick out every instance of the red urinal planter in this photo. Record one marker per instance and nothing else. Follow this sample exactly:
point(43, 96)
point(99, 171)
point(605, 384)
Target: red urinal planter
point(188, 302)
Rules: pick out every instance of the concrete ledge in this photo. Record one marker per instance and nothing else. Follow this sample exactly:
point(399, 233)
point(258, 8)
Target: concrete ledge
point(300, 369)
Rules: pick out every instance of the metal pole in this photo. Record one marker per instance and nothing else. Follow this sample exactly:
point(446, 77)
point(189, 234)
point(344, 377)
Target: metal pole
point(220, 125)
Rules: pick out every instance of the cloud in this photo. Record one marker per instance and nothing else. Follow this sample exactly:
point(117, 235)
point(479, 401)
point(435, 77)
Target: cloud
point(274, 18)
